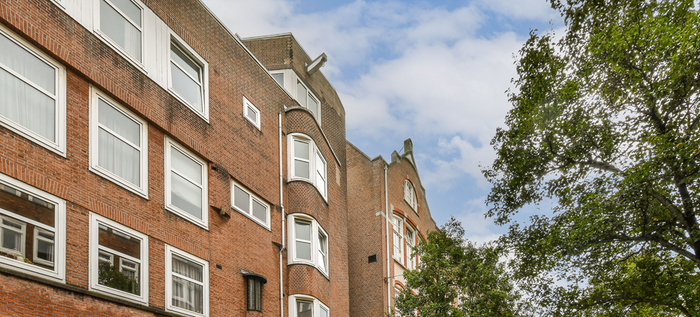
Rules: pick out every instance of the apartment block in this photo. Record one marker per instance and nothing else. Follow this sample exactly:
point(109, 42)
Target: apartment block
point(153, 163)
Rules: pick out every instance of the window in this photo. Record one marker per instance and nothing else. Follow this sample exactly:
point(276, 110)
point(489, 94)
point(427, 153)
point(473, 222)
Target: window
point(185, 184)
point(308, 242)
point(187, 283)
point(398, 238)
point(188, 77)
point(307, 306)
point(410, 244)
point(279, 78)
point(118, 144)
point(307, 162)
point(409, 194)
point(118, 259)
point(33, 98)
point(32, 229)
point(307, 100)
point(120, 23)
point(250, 205)
point(251, 113)
point(254, 289)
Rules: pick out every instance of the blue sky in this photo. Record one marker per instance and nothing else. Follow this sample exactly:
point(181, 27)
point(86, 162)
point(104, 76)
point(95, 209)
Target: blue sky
point(433, 71)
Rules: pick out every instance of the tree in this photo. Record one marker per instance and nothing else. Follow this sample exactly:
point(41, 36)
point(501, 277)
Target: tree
point(457, 278)
point(605, 124)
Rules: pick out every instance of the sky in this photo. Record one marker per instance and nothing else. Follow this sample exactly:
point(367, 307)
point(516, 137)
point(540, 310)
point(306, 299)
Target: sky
point(433, 71)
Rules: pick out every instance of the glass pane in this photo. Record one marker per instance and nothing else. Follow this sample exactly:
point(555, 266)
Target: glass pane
point(186, 166)
point(27, 65)
point(301, 94)
point(241, 199)
point(27, 106)
point(108, 274)
point(188, 268)
point(301, 149)
point(119, 123)
point(130, 9)
point(185, 62)
point(252, 114)
point(302, 230)
point(186, 196)
point(301, 169)
point(324, 312)
point(279, 78)
point(259, 211)
point(186, 87)
point(18, 202)
point(313, 106)
point(119, 157)
point(303, 250)
point(45, 248)
point(188, 295)
point(11, 240)
point(119, 241)
point(116, 27)
point(304, 309)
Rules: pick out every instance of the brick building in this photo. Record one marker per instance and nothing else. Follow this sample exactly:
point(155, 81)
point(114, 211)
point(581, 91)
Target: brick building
point(388, 214)
point(152, 163)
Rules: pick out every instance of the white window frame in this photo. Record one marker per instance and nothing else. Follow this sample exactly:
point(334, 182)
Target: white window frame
point(411, 262)
point(397, 226)
point(409, 194)
point(251, 198)
point(315, 245)
point(316, 304)
point(59, 230)
point(58, 146)
point(22, 233)
point(248, 107)
point(97, 220)
point(141, 190)
point(169, 251)
point(289, 83)
point(313, 152)
point(197, 59)
point(36, 246)
point(121, 51)
point(171, 145)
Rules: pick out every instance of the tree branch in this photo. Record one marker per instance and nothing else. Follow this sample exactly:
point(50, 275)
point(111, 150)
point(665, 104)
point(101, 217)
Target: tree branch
point(654, 238)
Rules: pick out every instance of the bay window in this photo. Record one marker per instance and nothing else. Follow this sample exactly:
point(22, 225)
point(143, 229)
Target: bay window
point(307, 306)
point(307, 163)
point(308, 242)
point(33, 98)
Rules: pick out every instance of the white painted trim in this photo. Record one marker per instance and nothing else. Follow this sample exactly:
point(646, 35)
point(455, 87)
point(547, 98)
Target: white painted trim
point(169, 251)
point(58, 146)
point(316, 310)
point(315, 229)
point(251, 196)
point(59, 230)
point(142, 190)
point(204, 222)
point(247, 105)
point(95, 221)
point(197, 59)
point(313, 149)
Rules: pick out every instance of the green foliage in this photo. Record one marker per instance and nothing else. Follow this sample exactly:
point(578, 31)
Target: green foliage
point(109, 275)
point(453, 271)
point(605, 124)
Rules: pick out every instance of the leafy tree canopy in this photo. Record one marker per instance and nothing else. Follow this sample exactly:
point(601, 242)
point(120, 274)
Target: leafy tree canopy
point(605, 123)
point(457, 278)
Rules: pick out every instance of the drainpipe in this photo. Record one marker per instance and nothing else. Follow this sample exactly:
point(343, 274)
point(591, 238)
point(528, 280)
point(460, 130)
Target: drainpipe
point(279, 120)
point(389, 279)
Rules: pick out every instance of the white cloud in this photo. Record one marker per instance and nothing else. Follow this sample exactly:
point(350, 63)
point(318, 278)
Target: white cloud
point(467, 161)
point(477, 228)
point(522, 9)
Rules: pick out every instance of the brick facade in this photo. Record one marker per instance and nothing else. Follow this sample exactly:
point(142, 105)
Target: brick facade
point(231, 148)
